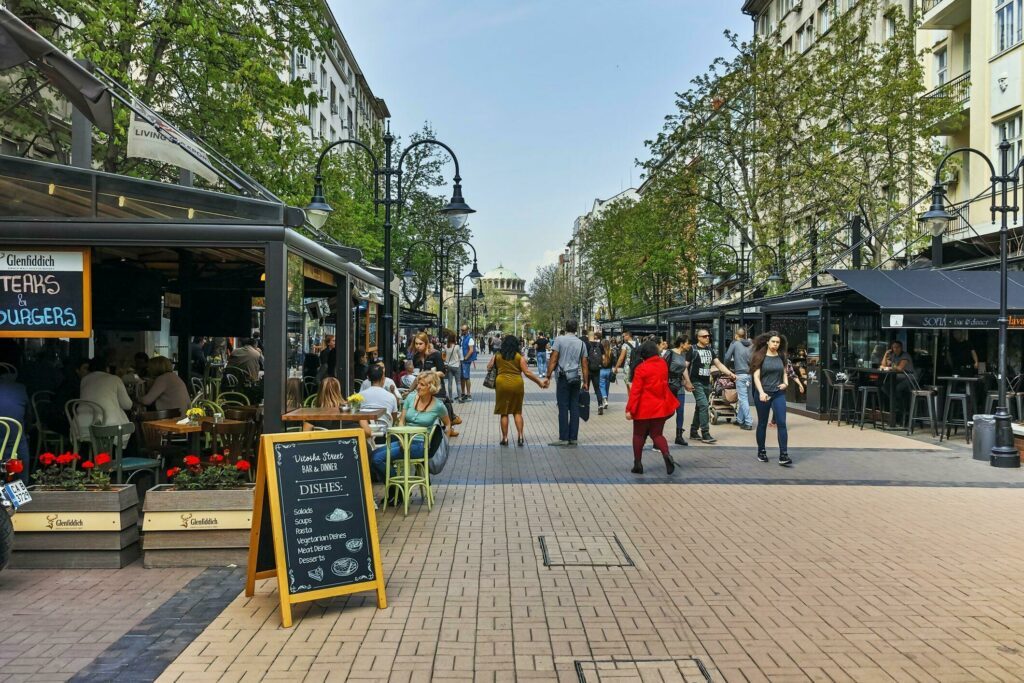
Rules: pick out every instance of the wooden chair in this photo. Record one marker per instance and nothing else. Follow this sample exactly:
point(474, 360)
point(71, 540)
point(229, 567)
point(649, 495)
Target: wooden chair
point(45, 438)
point(250, 416)
point(152, 440)
point(228, 440)
point(91, 414)
point(112, 439)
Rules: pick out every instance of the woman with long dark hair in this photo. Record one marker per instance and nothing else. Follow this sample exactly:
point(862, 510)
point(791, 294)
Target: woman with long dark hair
point(509, 388)
point(650, 404)
point(768, 367)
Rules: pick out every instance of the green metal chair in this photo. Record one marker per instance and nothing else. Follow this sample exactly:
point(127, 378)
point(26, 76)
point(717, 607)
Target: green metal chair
point(91, 414)
point(10, 426)
point(46, 438)
point(211, 408)
point(310, 400)
point(233, 398)
point(112, 439)
point(410, 473)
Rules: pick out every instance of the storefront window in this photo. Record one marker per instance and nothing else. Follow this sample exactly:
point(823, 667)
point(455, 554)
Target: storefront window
point(295, 352)
point(864, 343)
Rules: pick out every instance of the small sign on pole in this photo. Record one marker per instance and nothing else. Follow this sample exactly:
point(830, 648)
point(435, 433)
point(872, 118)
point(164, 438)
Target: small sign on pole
point(313, 522)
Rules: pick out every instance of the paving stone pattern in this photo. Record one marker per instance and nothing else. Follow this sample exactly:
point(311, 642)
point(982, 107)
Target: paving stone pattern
point(142, 654)
point(53, 623)
point(806, 579)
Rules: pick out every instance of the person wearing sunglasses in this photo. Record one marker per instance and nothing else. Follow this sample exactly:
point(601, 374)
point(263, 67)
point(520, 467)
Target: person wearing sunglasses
point(701, 357)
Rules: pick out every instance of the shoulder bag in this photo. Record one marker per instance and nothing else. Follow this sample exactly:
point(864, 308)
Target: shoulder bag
point(492, 375)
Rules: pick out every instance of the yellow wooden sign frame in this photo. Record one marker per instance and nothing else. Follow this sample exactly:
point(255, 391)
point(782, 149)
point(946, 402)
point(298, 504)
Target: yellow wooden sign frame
point(86, 328)
point(266, 485)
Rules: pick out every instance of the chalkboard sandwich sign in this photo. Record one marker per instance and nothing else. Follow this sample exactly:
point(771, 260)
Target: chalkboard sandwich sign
point(45, 293)
point(313, 523)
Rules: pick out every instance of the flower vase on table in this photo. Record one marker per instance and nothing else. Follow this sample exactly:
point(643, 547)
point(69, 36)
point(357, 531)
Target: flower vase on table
point(194, 415)
point(355, 402)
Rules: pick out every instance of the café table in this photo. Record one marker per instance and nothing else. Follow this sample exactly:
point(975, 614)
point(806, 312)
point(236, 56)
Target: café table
point(313, 414)
point(880, 378)
point(171, 425)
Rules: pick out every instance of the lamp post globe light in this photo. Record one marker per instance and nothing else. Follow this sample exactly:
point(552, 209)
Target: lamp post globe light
point(442, 258)
point(937, 218)
point(318, 210)
point(742, 259)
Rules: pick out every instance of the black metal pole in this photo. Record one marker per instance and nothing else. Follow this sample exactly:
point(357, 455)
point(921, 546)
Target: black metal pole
point(1003, 452)
point(389, 140)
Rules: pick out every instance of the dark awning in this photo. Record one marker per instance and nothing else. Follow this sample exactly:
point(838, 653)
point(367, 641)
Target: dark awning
point(792, 306)
point(20, 44)
point(958, 299)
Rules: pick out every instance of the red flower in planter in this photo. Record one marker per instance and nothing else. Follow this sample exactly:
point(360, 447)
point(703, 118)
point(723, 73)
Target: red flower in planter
point(216, 458)
point(65, 459)
point(242, 465)
point(191, 461)
point(171, 473)
point(88, 465)
point(15, 466)
point(101, 459)
point(47, 459)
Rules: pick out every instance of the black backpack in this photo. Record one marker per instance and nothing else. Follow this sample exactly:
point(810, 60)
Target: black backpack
point(595, 355)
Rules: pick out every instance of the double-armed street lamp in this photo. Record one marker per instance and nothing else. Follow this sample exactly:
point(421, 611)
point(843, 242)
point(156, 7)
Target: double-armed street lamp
point(742, 260)
point(318, 210)
point(442, 258)
point(937, 218)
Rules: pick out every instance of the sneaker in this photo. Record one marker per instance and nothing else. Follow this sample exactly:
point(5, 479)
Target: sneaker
point(707, 438)
point(559, 444)
point(468, 398)
point(600, 410)
point(571, 443)
point(785, 460)
point(762, 456)
point(693, 434)
point(746, 428)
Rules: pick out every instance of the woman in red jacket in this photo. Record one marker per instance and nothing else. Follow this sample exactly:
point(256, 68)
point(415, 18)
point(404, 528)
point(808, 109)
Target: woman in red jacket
point(650, 404)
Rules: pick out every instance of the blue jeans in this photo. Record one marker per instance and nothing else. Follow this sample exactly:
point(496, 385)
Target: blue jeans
point(743, 415)
point(681, 410)
point(542, 364)
point(568, 397)
point(605, 374)
point(702, 398)
point(776, 403)
point(379, 458)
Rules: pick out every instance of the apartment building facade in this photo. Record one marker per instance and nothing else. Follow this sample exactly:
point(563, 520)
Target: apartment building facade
point(802, 22)
point(976, 49)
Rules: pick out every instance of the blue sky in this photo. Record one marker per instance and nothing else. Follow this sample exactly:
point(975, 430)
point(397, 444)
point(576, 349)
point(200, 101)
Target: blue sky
point(546, 103)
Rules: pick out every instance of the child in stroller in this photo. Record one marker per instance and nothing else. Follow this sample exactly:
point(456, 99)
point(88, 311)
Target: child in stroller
point(723, 398)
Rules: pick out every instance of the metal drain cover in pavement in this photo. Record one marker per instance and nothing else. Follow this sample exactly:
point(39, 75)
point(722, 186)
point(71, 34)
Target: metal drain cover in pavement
point(685, 669)
point(575, 550)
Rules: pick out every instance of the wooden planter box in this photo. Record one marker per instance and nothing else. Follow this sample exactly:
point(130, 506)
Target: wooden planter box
point(196, 528)
point(91, 529)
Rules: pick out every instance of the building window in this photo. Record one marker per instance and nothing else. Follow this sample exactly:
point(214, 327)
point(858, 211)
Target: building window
point(1009, 130)
point(323, 125)
point(825, 16)
point(800, 39)
point(941, 66)
point(764, 22)
point(890, 26)
point(1008, 23)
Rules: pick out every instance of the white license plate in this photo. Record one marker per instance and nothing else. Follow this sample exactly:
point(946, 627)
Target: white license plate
point(17, 494)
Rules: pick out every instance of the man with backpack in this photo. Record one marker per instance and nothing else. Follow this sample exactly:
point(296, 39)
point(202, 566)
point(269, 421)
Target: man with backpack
point(595, 352)
point(628, 357)
point(700, 359)
point(569, 366)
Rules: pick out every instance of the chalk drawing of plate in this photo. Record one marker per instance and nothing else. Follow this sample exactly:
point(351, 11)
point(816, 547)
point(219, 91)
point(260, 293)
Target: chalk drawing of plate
point(339, 515)
point(354, 545)
point(346, 566)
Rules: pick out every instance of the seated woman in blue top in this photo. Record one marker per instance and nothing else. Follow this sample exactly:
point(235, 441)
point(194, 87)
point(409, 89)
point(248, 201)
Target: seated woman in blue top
point(421, 408)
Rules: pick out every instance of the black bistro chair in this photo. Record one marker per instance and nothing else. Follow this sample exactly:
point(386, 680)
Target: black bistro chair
point(931, 398)
point(838, 390)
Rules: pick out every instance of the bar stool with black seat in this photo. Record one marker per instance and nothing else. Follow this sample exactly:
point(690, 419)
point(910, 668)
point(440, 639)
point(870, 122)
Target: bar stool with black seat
point(963, 399)
point(839, 390)
point(930, 396)
point(869, 394)
point(1013, 399)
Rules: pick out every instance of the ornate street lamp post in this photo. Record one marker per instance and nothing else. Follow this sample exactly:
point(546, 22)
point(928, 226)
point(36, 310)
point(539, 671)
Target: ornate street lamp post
point(442, 258)
point(318, 210)
point(742, 260)
point(937, 219)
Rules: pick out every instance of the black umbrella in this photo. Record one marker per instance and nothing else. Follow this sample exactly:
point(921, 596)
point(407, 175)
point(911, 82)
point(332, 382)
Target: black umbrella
point(19, 44)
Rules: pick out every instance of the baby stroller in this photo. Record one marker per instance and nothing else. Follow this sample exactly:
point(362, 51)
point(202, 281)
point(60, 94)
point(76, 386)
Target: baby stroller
point(723, 399)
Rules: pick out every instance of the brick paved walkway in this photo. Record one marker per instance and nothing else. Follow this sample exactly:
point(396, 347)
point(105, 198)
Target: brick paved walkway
point(916, 578)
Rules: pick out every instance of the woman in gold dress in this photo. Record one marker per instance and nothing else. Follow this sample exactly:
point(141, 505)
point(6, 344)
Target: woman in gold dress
point(509, 387)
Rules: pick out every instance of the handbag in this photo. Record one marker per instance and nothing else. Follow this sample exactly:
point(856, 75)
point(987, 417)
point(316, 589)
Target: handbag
point(438, 450)
point(584, 405)
point(492, 376)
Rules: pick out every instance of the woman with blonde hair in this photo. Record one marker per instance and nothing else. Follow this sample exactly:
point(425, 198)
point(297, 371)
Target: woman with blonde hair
point(328, 396)
point(168, 391)
point(421, 408)
point(426, 358)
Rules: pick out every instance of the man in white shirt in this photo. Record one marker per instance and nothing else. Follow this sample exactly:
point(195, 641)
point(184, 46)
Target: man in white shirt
point(377, 396)
point(388, 385)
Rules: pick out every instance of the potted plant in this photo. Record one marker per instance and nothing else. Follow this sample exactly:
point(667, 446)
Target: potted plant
point(77, 518)
point(194, 415)
point(202, 517)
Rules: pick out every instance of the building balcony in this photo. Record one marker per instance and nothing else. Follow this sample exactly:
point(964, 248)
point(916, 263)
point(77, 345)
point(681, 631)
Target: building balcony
point(944, 14)
point(959, 91)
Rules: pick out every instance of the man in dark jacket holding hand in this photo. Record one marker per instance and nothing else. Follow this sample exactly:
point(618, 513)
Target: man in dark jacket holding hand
point(739, 356)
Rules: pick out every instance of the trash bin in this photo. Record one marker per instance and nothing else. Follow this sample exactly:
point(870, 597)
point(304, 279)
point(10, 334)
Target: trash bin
point(983, 436)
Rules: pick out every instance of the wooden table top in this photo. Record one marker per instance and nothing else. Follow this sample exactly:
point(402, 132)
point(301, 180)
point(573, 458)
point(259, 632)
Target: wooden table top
point(171, 426)
point(331, 415)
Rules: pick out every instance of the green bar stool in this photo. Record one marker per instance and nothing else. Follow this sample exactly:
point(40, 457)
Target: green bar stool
point(411, 472)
